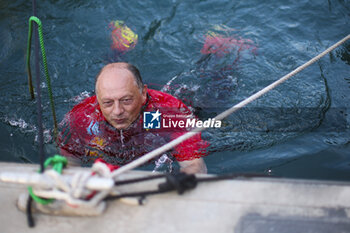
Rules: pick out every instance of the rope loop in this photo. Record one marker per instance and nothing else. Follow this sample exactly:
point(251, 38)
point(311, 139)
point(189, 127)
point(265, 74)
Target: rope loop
point(57, 162)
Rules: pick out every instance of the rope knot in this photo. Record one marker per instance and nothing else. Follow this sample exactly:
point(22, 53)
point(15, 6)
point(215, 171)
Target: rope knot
point(57, 162)
point(179, 182)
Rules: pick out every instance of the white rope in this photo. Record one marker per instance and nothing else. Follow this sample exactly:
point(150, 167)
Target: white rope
point(74, 191)
point(222, 115)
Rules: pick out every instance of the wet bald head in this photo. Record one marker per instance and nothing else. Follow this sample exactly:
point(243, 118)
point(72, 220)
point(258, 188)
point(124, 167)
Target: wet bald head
point(114, 67)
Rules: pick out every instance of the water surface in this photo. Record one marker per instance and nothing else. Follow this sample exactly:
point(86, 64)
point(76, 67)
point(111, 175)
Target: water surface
point(298, 130)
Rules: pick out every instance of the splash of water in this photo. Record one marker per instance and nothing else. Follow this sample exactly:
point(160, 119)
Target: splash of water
point(163, 163)
point(83, 95)
point(25, 127)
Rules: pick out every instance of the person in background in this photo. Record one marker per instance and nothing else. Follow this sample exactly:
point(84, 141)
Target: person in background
point(214, 77)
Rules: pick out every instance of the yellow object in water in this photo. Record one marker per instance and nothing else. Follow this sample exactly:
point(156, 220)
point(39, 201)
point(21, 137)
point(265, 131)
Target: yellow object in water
point(123, 38)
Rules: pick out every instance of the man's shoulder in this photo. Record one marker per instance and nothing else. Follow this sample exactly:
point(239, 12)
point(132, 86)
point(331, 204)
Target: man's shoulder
point(164, 99)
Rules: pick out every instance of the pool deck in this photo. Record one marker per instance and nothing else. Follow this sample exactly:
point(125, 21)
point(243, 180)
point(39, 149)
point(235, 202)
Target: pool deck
point(240, 205)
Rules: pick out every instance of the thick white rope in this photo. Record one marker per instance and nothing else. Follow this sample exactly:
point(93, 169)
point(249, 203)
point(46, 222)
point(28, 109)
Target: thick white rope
point(75, 191)
point(222, 115)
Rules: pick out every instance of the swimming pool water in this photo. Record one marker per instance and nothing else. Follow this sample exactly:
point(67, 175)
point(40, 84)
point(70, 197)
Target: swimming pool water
point(300, 129)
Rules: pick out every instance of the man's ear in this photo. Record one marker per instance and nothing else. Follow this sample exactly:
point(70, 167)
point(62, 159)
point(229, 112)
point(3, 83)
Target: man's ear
point(144, 93)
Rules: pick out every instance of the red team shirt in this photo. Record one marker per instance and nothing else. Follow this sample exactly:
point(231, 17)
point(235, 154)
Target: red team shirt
point(85, 133)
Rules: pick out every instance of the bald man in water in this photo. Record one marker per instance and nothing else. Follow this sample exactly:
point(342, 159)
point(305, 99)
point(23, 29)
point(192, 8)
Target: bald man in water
point(110, 124)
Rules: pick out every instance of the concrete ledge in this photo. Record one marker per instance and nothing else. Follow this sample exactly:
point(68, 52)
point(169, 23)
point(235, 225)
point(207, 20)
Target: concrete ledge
point(240, 205)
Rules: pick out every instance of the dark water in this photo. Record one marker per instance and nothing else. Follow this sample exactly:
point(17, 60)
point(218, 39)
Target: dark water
point(300, 129)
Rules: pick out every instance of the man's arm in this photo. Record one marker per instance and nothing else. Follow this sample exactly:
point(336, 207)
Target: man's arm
point(193, 166)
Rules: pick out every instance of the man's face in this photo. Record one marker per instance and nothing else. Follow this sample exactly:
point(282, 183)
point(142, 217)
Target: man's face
point(119, 97)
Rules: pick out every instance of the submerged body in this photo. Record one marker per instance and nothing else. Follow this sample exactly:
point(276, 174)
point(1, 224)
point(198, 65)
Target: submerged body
point(110, 124)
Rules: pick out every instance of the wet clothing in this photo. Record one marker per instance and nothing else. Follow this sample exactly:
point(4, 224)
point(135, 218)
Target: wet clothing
point(87, 135)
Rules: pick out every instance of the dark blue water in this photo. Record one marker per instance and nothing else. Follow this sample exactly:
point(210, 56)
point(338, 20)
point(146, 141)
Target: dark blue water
point(300, 129)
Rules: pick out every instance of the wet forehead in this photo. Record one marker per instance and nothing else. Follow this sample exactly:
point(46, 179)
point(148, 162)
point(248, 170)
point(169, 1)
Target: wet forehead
point(116, 83)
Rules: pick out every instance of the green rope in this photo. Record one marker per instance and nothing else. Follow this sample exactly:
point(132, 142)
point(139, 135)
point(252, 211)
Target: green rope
point(57, 162)
point(48, 81)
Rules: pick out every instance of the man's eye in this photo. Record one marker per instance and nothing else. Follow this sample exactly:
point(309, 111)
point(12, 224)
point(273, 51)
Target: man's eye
point(126, 101)
point(107, 103)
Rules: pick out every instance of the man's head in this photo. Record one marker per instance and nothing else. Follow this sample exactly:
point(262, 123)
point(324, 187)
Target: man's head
point(120, 93)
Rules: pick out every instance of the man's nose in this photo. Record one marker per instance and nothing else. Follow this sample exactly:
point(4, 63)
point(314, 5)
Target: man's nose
point(118, 109)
